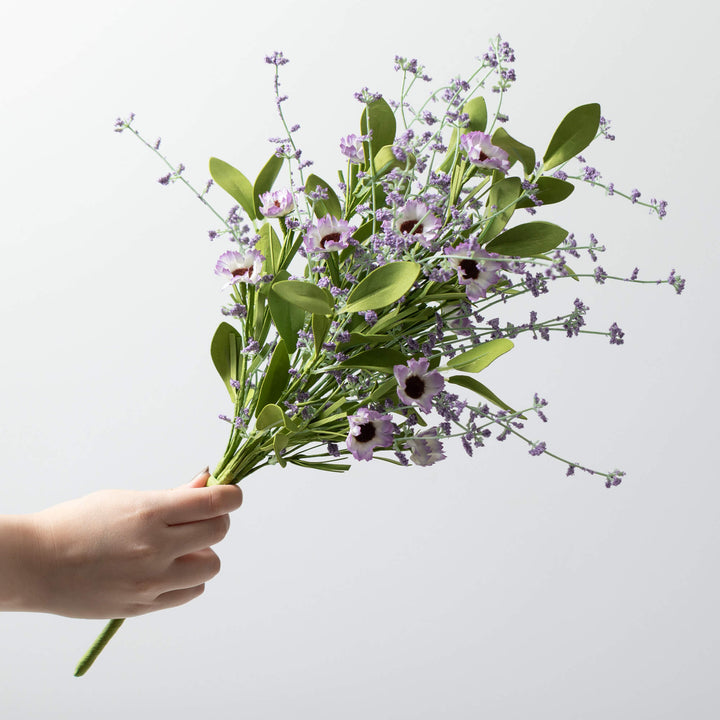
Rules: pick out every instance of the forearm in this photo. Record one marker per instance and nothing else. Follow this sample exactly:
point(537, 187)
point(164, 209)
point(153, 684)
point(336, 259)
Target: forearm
point(20, 578)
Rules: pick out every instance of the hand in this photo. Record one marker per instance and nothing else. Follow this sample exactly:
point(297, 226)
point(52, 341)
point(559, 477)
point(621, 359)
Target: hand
point(120, 553)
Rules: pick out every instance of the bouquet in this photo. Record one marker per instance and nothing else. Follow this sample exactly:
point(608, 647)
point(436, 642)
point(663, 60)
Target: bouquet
point(359, 311)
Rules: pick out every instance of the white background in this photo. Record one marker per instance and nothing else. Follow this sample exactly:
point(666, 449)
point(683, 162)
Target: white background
point(486, 587)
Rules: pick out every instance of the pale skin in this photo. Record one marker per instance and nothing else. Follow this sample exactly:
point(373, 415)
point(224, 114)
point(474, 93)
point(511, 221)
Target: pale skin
point(115, 553)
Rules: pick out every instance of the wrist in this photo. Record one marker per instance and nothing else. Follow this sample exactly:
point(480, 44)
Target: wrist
point(20, 564)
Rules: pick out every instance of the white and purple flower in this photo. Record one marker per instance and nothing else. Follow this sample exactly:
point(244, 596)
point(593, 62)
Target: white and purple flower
point(351, 147)
point(417, 385)
point(425, 448)
point(482, 153)
point(330, 234)
point(277, 203)
point(240, 266)
point(476, 269)
point(368, 429)
point(416, 222)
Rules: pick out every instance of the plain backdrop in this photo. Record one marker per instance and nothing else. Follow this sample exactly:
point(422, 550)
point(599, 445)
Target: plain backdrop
point(490, 586)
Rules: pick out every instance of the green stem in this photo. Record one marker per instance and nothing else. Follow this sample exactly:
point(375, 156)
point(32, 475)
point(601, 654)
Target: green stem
point(97, 647)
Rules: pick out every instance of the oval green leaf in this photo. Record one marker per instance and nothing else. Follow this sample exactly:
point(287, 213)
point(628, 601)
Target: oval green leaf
point(287, 317)
point(533, 238)
point(269, 416)
point(224, 351)
point(515, 149)
point(276, 377)
point(378, 117)
point(320, 326)
point(305, 295)
point(576, 131)
point(382, 286)
point(385, 160)
point(550, 190)
point(269, 246)
point(265, 180)
point(330, 205)
point(235, 183)
point(481, 356)
point(471, 383)
point(477, 111)
point(501, 204)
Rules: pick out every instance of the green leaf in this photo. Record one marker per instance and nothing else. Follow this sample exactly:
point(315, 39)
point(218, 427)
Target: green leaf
point(452, 153)
point(500, 206)
point(385, 160)
point(327, 466)
point(378, 117)
point(276, 377)
point(472, 384)
point(550, 190)
point(322, 207)
point(382, 286)
point(382, 359)
point(224, 350)
point(515, 149)
point(481, 355)
point(576, 131)
point(531, 238)
point(265, 180)
point(287, 317)
point(477, 110)
point(235, 183)
point(269, 416)
point(357, 338)
point(269, 246)
point(320, 326)
point(305, 295)
point(280, 442)
point(382, 390)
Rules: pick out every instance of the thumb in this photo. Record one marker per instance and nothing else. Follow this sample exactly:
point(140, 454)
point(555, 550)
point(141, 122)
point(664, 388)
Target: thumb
point(200, 480)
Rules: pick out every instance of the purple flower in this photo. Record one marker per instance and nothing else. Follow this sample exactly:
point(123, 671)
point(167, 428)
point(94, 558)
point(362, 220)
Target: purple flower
point(277, 203)
point(416, 384)
point(457, 318)
point(245, 266)
point(475, 269)
point(425, 448)
point(417, 221)
point(352, 148)
point(482, 153)
point(368, 429)
point(330, 234)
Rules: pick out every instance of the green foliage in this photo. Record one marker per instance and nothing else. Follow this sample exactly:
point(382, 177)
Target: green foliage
point(501, 204)
point(515, 149)
point(480, 356)
point(531, 238)
point(380, 359)
point(287, 317)
point(305, 295)
point(224, 350)
point(269, 246)
point(378, 117)
point(320, 326)
point(330, 205)
point(382, 287)
point(235, 183)
point(550, 190)
point(576, 131)
point(276, 377)
point(265, 180)
point(471, 383)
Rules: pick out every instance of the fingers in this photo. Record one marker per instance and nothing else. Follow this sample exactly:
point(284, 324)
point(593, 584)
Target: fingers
point(191, 537)
point(200, 480)
point(188, 505)
point(174, 598)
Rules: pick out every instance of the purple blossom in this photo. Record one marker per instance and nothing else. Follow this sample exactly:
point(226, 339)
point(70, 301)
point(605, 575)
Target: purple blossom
point(330, 234)
point(351, 147)
point(416, 221)
point(482, 153)
point(368, 429)
point(244, 266)
point(277, 203)
point(616, 335)
point(425, 448)
point(537, 448)
point(475, 268)
point(416, 384)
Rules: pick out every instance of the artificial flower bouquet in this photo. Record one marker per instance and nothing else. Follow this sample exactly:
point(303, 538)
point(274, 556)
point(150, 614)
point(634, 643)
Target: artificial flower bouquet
point(360, 311)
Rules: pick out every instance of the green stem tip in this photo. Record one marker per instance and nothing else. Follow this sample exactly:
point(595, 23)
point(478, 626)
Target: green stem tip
point(97, 647)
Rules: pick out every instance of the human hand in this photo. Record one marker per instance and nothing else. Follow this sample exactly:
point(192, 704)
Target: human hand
point(120, 553)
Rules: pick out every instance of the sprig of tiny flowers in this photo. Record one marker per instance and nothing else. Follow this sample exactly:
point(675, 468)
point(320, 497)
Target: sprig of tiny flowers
point(355, 306)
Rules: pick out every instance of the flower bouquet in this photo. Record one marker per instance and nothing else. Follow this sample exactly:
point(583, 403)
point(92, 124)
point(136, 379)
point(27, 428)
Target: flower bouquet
point(360, 311)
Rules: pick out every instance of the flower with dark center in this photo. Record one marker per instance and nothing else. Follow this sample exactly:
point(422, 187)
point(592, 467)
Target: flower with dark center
point(482, 153)
point(416, 385)
point(415, 222)
point(330, 234)
point(240, 266)
point(368, 429)
point(476, 269)
point(277, 203)
point(425, 448)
